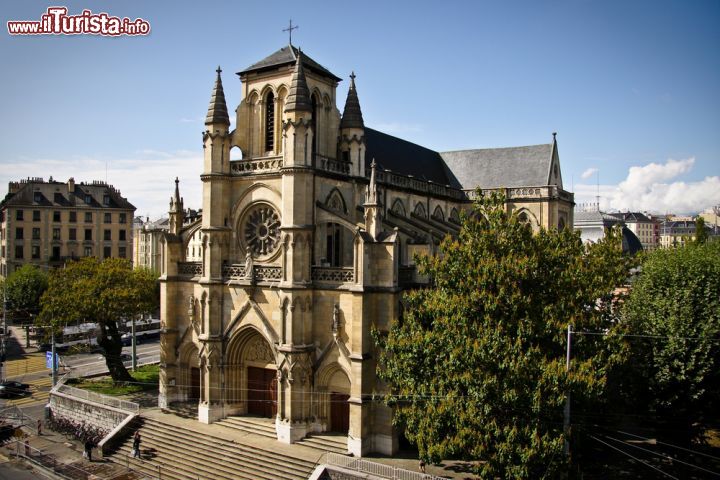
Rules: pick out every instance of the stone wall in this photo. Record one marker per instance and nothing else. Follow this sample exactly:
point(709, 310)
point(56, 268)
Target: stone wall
point(79, 410)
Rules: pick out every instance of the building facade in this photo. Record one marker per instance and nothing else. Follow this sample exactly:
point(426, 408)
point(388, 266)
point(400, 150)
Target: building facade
point(147, 249)
point(46, 223)
point(646, 229)
point(306, 243)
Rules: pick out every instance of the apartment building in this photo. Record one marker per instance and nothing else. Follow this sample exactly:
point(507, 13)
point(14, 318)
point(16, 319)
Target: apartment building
point(45, 223)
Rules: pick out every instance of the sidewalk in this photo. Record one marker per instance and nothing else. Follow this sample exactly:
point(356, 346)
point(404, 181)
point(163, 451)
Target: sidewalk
point(54, 456)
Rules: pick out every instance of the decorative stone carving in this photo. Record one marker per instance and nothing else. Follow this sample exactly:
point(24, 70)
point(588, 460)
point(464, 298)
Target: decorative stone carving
point(336, 321)
point(248, 265)
point(259, 351)
point(260, 230)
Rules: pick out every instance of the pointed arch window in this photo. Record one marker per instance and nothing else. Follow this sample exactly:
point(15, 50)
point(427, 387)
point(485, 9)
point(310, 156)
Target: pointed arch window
point(314, 126)
point(270, 122)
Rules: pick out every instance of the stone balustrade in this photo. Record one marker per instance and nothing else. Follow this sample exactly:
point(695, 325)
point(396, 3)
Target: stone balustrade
point(190, 269)
point(335, 275)
point(256, 165)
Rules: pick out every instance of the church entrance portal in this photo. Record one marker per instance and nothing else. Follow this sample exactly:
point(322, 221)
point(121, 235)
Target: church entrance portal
point(262, 391)
point(194, 393)
point(339, 412)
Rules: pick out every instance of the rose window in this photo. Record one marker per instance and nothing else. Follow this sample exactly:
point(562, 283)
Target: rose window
point(261, 230)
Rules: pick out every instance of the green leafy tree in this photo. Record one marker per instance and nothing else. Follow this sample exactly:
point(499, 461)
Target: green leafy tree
point(24, 288)
point(676, 299)
point(476, 367)
point(108, 293)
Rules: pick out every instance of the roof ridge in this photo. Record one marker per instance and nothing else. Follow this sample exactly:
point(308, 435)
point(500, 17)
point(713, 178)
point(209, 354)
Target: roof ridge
point(498, 148)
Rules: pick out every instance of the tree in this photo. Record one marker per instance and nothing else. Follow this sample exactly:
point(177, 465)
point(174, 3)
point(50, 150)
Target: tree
point(701, 234)
point(107, 293)
point(24, 288)
point(675, 301)
point(476, 366)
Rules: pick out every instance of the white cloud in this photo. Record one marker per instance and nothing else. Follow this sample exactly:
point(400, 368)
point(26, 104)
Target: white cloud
point(651, 188)
point(146, 179)
point(589, 173)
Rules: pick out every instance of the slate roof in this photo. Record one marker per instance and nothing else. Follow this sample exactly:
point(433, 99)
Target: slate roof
point(501, 167)
point(287, 56)
point(632, 217)
point(407, 158)
point(217, 110)
point(55, 194)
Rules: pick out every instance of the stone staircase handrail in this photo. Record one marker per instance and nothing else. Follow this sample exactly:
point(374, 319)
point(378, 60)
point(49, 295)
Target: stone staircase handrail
point(98, 398)
point(376, 469)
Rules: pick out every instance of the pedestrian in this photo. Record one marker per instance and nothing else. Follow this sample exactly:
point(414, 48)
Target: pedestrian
point(88, 450)
point(136, 445)
point(39, 427)
point(422, 466)
point(27, 448)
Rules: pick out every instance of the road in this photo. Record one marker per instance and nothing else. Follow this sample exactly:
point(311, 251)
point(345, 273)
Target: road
point(30, 369)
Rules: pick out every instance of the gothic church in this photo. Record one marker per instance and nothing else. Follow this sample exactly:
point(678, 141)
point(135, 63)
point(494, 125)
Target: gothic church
point(305, 243)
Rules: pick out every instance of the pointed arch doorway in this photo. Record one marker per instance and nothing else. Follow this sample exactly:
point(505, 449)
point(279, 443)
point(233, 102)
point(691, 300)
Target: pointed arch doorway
point(252, 375)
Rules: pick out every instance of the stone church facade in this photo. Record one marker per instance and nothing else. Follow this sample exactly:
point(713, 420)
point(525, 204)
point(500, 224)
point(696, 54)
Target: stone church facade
point(306, 243)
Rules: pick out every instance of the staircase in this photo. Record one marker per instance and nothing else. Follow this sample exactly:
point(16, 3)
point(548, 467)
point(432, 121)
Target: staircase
point(255, 425)
point(179, 453)
point(327, 442)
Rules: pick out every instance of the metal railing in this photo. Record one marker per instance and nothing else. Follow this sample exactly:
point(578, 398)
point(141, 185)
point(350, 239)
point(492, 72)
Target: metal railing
point(98, 398)
point(374, 468)
point(49, 462)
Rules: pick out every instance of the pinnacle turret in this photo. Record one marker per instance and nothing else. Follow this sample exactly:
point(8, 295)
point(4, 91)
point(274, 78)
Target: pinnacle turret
point(298, 98)
point(217, 111)
point(176, 202)
point(352, 115)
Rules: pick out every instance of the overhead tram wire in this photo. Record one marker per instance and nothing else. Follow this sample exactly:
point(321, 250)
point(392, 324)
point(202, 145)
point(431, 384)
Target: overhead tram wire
point(631, 335)
point(662, 455)
point(632, 456)
point(694, 452)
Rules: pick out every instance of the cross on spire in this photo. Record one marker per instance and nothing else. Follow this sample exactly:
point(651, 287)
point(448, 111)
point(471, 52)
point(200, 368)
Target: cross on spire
point(290, 29)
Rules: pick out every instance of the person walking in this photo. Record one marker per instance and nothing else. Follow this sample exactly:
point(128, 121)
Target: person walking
point(88, 450)
point(136, 445)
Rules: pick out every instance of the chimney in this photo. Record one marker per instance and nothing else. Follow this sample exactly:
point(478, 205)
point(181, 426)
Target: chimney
point(71, 185)
point(13, 187)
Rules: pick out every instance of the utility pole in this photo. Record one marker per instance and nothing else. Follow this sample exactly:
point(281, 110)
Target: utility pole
point(566, 419)
point(4, 335)
point(134, 343)
point(54, 361)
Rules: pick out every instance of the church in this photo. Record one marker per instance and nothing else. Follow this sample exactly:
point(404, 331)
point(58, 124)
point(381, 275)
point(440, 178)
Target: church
point(306, 242)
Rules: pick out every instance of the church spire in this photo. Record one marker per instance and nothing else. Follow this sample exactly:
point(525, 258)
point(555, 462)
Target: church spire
point(298, 98)
point(217, 111)
point(373, 222)
point(352, 115)
point(177, 212)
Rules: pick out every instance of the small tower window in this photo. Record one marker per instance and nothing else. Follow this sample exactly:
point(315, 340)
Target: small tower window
point(270, 122)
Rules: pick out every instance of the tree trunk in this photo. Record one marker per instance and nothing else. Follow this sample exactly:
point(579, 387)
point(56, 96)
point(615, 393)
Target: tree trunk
point(111, 343)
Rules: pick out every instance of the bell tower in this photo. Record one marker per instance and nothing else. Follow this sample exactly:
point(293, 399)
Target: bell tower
point(216, 234)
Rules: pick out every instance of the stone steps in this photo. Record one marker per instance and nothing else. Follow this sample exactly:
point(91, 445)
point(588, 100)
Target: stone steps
point(184, 454)
point(336, 443)
point(257, 426)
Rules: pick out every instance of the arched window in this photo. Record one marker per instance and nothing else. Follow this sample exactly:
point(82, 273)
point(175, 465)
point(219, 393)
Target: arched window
point(438, 213)
point(314, 122)
point(333, 244)
point(269, 122)
point(420, 210)
point(561, 224)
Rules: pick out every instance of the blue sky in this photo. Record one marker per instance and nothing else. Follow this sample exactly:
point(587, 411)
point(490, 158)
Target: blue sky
point(631, 87)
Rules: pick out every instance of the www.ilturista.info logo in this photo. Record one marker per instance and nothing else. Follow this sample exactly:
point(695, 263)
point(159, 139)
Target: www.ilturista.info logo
point(57, 22)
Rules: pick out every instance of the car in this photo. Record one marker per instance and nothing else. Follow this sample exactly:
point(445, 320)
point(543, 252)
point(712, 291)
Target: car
point(11, 388)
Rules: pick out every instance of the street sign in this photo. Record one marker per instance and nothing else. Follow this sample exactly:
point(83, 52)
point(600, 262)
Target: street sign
point(48, 360)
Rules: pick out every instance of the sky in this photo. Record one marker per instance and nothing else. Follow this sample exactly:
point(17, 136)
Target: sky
point(631, 88)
